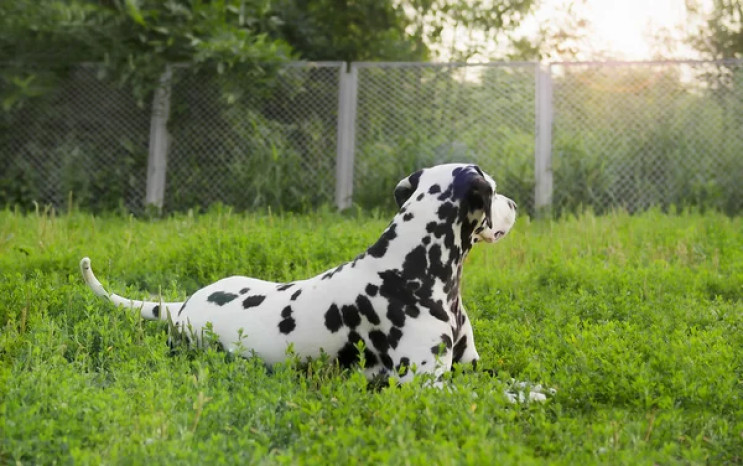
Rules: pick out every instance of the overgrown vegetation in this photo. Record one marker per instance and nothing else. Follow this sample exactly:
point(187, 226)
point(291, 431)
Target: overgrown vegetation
point(636, 320)
point(629, 136)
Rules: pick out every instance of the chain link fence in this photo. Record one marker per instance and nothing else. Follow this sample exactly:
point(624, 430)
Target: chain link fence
point(87, 137)
point(416, 115)
point(638, 135)
point(630, 135)
point(249, 145)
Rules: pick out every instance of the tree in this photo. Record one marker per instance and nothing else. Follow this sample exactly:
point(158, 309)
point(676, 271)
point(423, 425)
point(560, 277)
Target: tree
point(561, 38)
point(133, 39)
point(460, 30)
point(721, 33)
point(341, 30)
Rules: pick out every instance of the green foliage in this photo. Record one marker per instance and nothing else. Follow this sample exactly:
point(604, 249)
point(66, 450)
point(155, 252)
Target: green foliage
point(73, 142)
point(136, 39)
point(133, 39)
point(636, 320)
point(475, 24)
point(254, 149)
point(721, 34)
point(360, 30)
point(637, 137)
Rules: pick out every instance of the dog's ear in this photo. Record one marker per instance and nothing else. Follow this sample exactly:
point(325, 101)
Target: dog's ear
point(406, 187)
point(480, 196)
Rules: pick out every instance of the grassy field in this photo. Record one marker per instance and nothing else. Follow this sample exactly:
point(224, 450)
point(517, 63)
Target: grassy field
point(636, 321)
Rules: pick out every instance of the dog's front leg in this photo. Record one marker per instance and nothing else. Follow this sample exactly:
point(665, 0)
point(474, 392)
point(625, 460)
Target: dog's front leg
point(464, 346)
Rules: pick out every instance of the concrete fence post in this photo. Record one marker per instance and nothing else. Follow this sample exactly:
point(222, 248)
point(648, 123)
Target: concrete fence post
point(346, 140)
point(157, 160)
point(543, 144)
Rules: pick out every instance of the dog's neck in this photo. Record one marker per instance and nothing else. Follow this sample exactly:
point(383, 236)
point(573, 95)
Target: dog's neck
point(428, 256)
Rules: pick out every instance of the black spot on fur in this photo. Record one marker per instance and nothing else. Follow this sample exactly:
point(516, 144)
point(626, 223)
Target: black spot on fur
point(183, 307)
point(420, 197)
point(333, 320)
point(371, 358)
point(407, 217)
point(394, 337)
point(288, 323)
point(440, 229)
point(371, 290)
point(403, 191)
point(437, 267)
point(349, 354)
point(156, 311)
point(412, 311)
point(437, 310)
point(434, 189)
point(244, 290)
point(402, 368)
point(394, 287)
point(252, 301)
point(395, 313)
point(415, 263)
point(415, 178)
point(284, 287)
point(333, 272)
point(351, 316)
point(286, 326)
point(442, 348)
point(379, 249)
point(221, 297)
point(367, 310)
point(446, 194)
point(426, 240)
point(459, 349)
point(447, 212)
point(386, 361)
point(296, 295)
point(379, 340)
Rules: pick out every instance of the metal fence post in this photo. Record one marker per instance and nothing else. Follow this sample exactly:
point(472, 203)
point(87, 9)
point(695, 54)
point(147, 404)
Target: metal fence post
point(346, 141)
point(543, 146)
point(158, 152)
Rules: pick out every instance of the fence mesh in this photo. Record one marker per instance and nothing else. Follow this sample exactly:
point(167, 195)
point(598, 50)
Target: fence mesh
point(250, 144)
point(87, 137)
point(637, 135)
point(632, 135)
point(417, 115)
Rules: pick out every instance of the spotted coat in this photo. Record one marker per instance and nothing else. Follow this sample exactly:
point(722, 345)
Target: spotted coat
point(400, 298)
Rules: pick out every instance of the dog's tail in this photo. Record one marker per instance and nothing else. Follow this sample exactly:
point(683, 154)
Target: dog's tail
point(150, 310)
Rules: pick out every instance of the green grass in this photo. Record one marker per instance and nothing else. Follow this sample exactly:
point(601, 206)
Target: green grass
point(637, 321)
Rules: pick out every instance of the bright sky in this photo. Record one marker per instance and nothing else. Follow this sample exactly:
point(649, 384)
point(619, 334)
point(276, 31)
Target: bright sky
point(623, 29)
point(617, 29)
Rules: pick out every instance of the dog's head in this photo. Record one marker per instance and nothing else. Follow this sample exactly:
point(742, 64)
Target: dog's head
point(459, 193)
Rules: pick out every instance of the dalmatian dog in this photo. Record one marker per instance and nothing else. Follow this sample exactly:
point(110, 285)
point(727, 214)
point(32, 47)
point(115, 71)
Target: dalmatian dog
point(399, 300)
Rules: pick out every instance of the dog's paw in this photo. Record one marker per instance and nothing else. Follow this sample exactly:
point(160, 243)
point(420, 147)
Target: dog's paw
point(525, 392)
